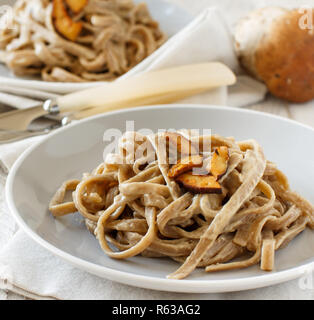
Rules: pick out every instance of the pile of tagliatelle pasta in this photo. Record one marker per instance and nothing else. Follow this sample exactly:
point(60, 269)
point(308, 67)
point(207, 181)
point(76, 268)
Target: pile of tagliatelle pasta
point(203, 201)
point(77, 40)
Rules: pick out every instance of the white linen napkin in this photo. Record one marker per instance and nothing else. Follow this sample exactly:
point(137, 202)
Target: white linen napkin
point(28, 269)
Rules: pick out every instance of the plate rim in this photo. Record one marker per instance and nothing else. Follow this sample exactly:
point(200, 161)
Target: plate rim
point(144, 281)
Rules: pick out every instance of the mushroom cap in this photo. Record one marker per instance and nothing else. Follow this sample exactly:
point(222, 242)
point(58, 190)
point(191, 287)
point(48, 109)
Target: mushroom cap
point(273, 47)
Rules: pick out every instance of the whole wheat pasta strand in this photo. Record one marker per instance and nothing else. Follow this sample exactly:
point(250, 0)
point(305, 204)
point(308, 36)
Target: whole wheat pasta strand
point(143, 244)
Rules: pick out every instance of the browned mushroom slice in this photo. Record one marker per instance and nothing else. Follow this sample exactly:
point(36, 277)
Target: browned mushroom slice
point(219, 162)
point(184, 165)
point(180, 144)
point(199, 184)
point(63, 22)
point(76, 5)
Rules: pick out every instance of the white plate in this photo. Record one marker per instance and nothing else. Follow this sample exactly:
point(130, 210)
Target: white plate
point(170, 17)
point(70, 151)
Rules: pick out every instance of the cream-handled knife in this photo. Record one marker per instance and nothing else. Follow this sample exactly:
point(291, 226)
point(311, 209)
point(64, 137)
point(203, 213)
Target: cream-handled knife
point(156, 87)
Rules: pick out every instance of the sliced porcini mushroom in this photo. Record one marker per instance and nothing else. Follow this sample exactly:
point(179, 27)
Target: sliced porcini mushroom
point(76, 5)
point(180, 144)
point(219, 162)
point(63, 22)
point(184, 165)
point(199, 184)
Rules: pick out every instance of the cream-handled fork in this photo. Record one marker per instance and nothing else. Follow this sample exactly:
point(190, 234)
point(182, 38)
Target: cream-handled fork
point(157, 87)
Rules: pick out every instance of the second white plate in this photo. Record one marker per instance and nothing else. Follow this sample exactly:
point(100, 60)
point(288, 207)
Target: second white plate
point(170, 17)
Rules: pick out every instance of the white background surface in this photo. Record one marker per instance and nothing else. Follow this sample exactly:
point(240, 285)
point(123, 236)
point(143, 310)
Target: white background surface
point(232, 10)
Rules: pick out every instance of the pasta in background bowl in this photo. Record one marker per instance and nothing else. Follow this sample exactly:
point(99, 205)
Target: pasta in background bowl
point(170, 17)
point(97, 41)
point(38, 173)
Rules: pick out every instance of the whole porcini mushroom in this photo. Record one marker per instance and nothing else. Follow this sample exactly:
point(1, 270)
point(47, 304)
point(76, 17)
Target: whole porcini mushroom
point(276, 46)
